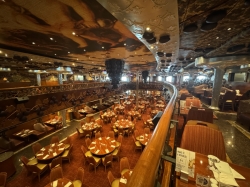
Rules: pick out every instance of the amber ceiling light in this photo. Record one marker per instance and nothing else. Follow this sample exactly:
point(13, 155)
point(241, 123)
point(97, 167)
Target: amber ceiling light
point(216, 16)
point(190, 27)
point(160, 54)
point(208, 26)
point(164, 38)
point(148, 35)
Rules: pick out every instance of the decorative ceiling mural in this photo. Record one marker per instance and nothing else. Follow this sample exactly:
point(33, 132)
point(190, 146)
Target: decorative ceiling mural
point(161, 35)
point(75, 31)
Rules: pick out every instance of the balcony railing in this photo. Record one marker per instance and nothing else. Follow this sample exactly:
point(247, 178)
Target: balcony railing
point(9, 93)
point(145, 171)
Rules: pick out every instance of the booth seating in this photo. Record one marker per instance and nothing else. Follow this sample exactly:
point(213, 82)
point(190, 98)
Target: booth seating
point(9, 144)
point(243, 114)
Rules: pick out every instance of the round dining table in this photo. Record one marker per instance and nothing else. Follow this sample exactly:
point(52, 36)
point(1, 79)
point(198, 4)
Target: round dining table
point(102, 146)
point(62, 182)
point(124, 124)
point(90, 126)
point(50, 152)
point(125, 177)
point(144, 138)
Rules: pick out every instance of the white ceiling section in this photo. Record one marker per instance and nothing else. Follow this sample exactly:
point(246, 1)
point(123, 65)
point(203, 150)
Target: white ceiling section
point(161, 16)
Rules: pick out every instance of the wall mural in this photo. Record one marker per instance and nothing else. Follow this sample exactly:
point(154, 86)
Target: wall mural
point(75, 30)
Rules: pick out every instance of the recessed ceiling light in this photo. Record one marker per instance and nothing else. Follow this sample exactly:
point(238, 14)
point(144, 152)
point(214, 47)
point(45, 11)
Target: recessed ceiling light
point(125, 44)
point(68, 52)
point(55, 54)
point(152, 47)
point(84, 50)
point(33, 43)
point(51, 38)
point(208, 44)
point(73, 64)
point(229, 29)
point(73, 33)
point(6, 55)
point(0, 51)
point(31, 59)
point(102, 47)
point(77, 59)
point(191, 58)
point(217, 37)
point(49, 62)
point(148, 29)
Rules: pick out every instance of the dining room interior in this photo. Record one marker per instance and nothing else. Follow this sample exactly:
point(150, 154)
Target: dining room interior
point(124, 93)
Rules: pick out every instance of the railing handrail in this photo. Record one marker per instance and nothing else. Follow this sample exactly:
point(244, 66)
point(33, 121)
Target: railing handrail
point(145, 171)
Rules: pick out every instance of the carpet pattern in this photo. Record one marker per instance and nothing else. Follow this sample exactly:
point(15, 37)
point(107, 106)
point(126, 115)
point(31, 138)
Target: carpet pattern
point(92, 179)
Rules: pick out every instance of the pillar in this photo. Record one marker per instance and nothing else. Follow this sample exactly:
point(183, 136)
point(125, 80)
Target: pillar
point(63, 114)
point(38, 79)
point(137, 88)
point(218, 76)
point(60, 80)
point(65, 77)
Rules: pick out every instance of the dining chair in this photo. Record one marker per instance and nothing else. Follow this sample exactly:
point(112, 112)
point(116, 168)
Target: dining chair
point(203, 140)
point(87, 133)
point(113, 182)
point(111, 134)
point(37, 169)
point(3, 178)
point(137, 144)
point(121, 131)
point(85, 153)
point(67, 153)
point(93, 162)
point(129, 118)
point(36, 147)
point(107, 160)
point(119, 141)
point(129, 131)
point(56, 162)
point(56, 173)
point(88, 142)
point(146, 130)
point(97, 135)
point(124, 165)
point(67, 143)
point(54, 139)
point(200, 114)
point(228, 100)
point(80, 132)
point(116, 153)
point(136, 133)
point(79, 177)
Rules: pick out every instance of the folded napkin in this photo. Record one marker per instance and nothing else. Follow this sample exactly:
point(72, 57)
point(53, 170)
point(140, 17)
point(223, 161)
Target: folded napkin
point(52, 145)
point(39, 154)
point(146, 143)
point(97, 151)
point(146, 134)
point(113, 146)
point(124, 181)
point(46, 156)
point(43, 149)
point(54, 154)
point(113, 141)
point(100, 138)
point(60, 144)
point(225, 178)
point(106, 150)
point(92, 148)
point(107, 138)
point(18, 133)
point(54, 183)
point(61, 149)
point(23, 135)
point(236, 174)
point(130, 173)
point(68, 184)
point(93, 142)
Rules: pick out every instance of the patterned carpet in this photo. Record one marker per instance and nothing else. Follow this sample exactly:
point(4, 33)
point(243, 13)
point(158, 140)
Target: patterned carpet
point(92, 179)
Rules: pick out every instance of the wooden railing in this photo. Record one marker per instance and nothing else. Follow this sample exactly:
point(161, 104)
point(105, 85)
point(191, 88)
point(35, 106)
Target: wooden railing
point(145, 172)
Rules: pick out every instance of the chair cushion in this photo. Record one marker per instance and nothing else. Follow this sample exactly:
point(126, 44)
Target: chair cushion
point(124, 171)
point(229, 101)
point(65, 154)
point(97, 159)
point(39, 127)
point(33, 161)
point(77, 183)
point(115, 152)
point(118, 144)
point(137, 143)
point(88, 153)
point(115, 183)
point(41, 166)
